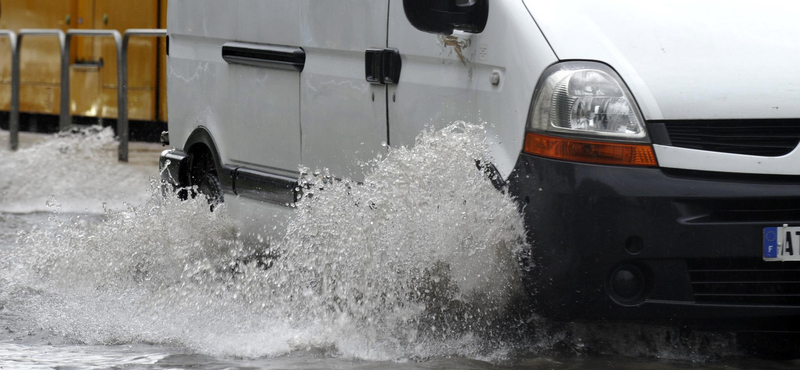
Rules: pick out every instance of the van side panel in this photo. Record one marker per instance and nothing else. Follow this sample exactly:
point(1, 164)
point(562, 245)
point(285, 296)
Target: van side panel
point(252, 112)
point(343, 115)
point(198, 80)
point(269, 21)
point(446, 79)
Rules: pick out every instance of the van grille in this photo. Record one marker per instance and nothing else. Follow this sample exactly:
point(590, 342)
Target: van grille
point(768, 138)
point(772, 210)
point(745, 282)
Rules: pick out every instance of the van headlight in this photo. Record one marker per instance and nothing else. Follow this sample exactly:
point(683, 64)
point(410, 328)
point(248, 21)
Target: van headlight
point(583, 112)
point(586, 99)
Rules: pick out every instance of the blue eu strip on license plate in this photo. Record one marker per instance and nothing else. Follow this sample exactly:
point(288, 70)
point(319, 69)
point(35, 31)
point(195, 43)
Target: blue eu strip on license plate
point(770, 242)
point(782, 243)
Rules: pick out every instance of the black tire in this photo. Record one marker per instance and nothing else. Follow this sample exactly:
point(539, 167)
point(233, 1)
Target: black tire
point(205, 180)
point(209, 186)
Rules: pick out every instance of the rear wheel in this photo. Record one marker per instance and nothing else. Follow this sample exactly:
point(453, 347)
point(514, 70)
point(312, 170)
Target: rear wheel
point(210, 187)
point(206, 180)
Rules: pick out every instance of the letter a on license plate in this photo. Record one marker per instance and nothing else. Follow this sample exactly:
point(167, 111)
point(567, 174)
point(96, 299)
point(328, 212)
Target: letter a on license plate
point(782, 243)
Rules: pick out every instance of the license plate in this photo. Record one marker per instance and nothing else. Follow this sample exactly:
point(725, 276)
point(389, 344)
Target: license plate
point(782, 243)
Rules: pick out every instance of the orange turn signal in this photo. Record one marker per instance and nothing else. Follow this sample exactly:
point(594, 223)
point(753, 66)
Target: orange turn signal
point(590, 151)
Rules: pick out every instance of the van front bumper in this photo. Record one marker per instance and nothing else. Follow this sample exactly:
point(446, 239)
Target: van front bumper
point(690, 244)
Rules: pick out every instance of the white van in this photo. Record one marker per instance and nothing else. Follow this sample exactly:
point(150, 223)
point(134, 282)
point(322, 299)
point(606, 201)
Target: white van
point(656, 141)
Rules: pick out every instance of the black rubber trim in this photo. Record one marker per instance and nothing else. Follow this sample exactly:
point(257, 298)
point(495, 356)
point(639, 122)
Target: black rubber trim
point(262, 186)
point(678, 173)
point(658, 133)
point(290, 58)
point(242, 181)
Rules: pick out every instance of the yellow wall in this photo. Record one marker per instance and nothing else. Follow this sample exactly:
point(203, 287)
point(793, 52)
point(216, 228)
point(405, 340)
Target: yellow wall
point(93, 84)
point(40, 56)
point(162, 64)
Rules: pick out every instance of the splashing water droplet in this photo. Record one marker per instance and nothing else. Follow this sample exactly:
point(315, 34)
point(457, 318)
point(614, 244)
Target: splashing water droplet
point(412, 262)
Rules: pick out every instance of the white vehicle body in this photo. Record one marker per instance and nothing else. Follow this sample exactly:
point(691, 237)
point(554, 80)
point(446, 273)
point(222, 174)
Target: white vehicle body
point(691, 60)
point(682, 68)
point(677, 61)
point(319, 118)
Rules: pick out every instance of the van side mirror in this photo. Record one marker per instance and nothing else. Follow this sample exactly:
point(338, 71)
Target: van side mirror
point(444, 16)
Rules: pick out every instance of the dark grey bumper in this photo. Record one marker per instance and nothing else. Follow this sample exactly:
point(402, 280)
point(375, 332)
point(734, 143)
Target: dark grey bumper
point(695, 239)
point(172, 165)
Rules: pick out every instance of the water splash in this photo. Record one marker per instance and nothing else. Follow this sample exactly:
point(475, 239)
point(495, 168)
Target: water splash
point(78, 168)
point(415, 262)
point(418, 260)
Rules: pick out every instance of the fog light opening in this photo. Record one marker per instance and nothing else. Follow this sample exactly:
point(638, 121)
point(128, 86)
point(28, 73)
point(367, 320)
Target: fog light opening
point(628, 285)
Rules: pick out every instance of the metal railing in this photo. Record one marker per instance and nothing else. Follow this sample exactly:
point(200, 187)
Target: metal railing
point(65, 40)
point(122, 72)
point(13, 117)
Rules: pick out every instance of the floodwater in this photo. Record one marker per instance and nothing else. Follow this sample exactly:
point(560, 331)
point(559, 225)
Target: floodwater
point(98, 270)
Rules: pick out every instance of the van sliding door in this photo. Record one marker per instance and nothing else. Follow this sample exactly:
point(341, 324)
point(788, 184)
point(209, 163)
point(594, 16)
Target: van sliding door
point(265, 100)
point(343, 117)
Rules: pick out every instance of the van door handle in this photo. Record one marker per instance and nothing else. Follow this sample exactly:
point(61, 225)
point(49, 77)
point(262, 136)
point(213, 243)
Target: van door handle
point(383, 66)
point(263, 55)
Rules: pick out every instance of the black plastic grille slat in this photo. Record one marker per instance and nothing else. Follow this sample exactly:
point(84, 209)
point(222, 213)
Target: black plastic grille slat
point(731, 137)
point(741, 144)
point(755, 289)
point(738, 142)
point(745, 282)
point(741, 276)
point(769, 138)
point(751, 300)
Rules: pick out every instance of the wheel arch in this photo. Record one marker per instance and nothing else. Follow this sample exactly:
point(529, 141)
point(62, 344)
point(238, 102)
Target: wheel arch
point(201, 146)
